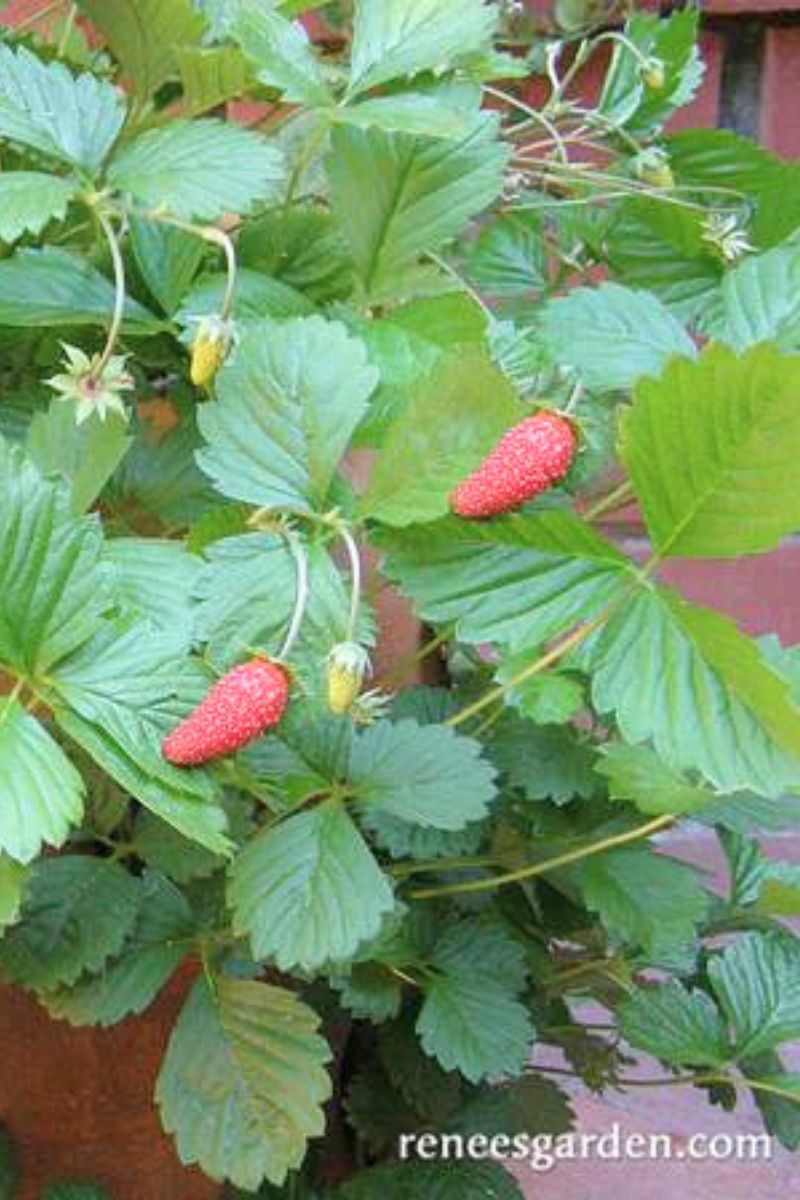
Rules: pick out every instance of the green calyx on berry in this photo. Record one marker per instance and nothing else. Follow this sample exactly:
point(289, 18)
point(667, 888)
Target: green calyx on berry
point(653, 73)
point(652, 166)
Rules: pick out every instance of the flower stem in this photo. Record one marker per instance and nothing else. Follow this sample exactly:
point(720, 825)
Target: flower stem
point(298, 554)
point(550, 864)
point(355, 581)
point(119, 293)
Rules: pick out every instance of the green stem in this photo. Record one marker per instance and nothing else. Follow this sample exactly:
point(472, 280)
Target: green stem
point(468, 862)
point(445, 266)
point(550, 864)
point(355, 581)
point(533, 115)
point(69, 25)
point(119, 294)
point(611, 501)
point(298, 554)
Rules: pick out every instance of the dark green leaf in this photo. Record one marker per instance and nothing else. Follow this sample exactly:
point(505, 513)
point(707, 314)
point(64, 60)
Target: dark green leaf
point(680, 1027)
point(757, 981)
point(41, 288)
point(168, 259)
point(84, 456)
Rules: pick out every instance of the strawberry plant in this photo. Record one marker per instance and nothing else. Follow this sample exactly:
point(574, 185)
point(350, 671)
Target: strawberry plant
point(404, 308)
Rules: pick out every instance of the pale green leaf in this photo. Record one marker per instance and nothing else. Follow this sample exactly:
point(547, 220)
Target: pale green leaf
point(255, 297)
point(549, 698)
point(712, 450)
point(167, 258)
point(686, 679)
point(29, 199)
point(281, 53)
point(40, 288)
point(447, 426)
point(475, 1025)
point(77, 913)
point(84, 456)
point(779, 893)
point(516, 581)
point(73, 118)
point(624, 334)
point(424, 774)
point(243, 1082)
point(757, 981)
point(210, 76)
point(759, 301)
point(417, 113)
point(394, 38)
point(637, 774)
point(198, 169)
point(118, 699)
point(308, 891)
point(159, 940)
point(52, 588)
point(682, 1028)
point(155, 578)
point(41, 793)
point(142, 36)
point(287, 404)
point(396, 195)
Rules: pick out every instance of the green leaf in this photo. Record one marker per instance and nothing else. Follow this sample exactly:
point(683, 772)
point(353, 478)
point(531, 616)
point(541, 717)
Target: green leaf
point(646, 900)
point(142, 36)
point(281, 53)
point(77, 913)
point(117, 699)
point(532, 1104)
point(516, 581)
point(369, 992)
point(29, 199)
point(198, 169)
point(302, 248)
point(167, 258)
point(725, 713)
point(417, 113)
point(155, 578)
point(287, 404)
point(625, 99)
point(41, 793)
point(549, 698)
point(433, 1181)
point(162, 478)
point(166, 850)
point(210, 76)
point(255, 297)
point(545, 762)
point(84, 456)
point(477, 946)
point(9, 1166)
point(52, 589)
point(308, 891)
point(160, 939)
point(442, 433)
point(727, 435)
point(682, 1028)
point(510, 255)
point(425, 774)
point(758, 301)
point(40, 288)
point(475, 1025)
point(43, 106)
point(396, 196)
point(624, 334)
point(780, 1111)
point(243, 1082)
point(780, 889)
point(393, 38)
point(246, 596)
point(403, 840)
point(12, 881)
point(757, 982)
point(635, 773)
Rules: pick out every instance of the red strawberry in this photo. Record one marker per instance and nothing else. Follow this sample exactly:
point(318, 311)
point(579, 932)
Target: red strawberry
point(527, 460)
point(239, 708)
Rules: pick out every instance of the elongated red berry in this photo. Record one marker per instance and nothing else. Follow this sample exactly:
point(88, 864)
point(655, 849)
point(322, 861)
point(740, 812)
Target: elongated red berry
point(528, 459)
point(240, 707)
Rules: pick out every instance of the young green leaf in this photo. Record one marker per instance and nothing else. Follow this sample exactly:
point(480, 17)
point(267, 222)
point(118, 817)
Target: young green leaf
point(243, 1082)
point(198, 169)
point(637, 774)
point(394, 38)
point(308, 891)
point(42, 793)
point(75, 119)
point(76, 914)
point(624, 334)
point(143, 35)
point(424, 774)
point(286, 407)
point(727, 433)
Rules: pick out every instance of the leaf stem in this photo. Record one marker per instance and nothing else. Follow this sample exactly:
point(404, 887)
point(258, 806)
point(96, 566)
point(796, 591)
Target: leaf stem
point(550, 864)
point(612, 500)
point(534, 115)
